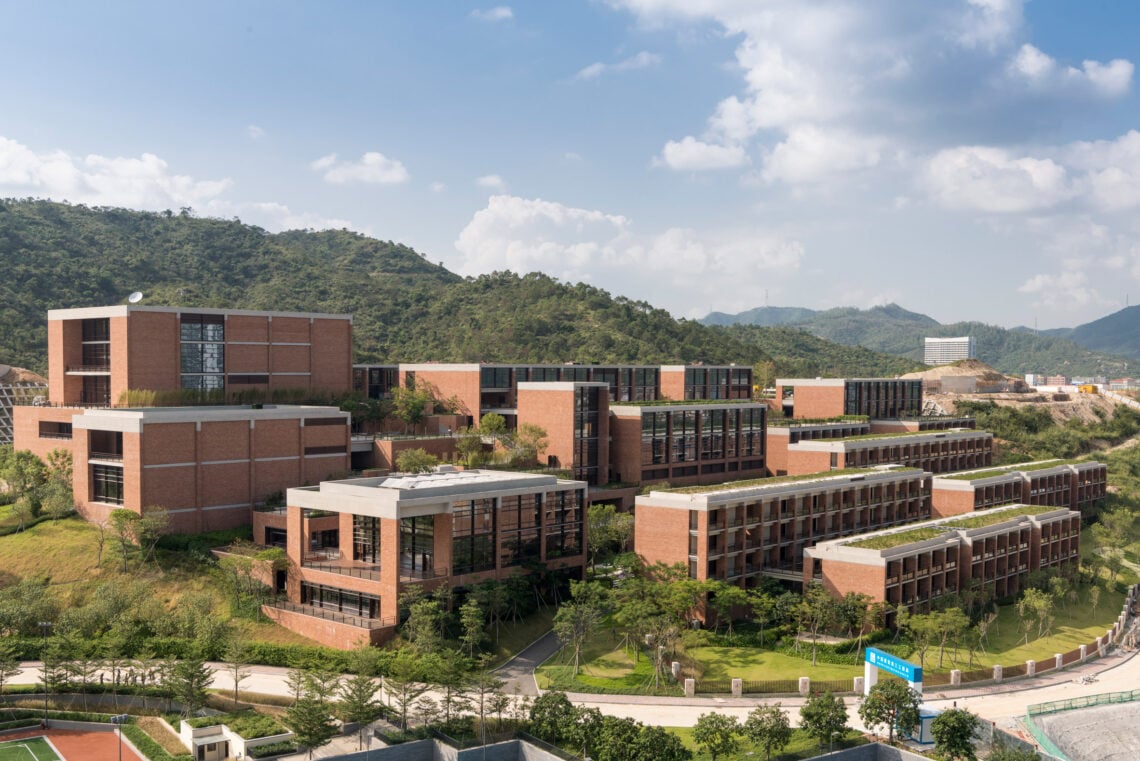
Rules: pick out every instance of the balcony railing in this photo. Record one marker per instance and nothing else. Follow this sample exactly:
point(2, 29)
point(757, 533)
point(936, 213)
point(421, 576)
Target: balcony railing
point(359, 622)
point(89, 368)
point(370, 572)
point(108, 456)
point(420, 574)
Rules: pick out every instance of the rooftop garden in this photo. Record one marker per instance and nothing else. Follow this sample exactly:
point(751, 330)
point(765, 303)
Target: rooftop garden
point(777, 420)
point(903, 434)
point(1021, 467)
point(686, 402)
point(774, 480)
point(911, 536)
point(990, 517)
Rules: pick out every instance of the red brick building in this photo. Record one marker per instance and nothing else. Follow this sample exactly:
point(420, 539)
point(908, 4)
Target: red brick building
point(934, 451)
point(915, 565)
point(355, 545)
point(833, 397)
point(744, 530)
point(207, 465)
point(1080, 486)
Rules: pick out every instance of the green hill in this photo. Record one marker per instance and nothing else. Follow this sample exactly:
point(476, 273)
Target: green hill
point(893, 330)
point(406, 309)
point(1118, 333)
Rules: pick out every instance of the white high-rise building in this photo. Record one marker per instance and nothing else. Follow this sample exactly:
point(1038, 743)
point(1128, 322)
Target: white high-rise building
point(943, 351)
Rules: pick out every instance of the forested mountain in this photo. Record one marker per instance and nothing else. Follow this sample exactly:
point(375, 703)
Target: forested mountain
point(894, 330)
point(406, 309)
point(763, 316)
point(1118, 333)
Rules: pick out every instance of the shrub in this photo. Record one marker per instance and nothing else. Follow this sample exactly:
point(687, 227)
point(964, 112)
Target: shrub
point(148, 747)
point(272, 749)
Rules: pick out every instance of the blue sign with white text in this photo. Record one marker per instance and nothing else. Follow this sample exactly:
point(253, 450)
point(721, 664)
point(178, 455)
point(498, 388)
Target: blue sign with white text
point(892, 664)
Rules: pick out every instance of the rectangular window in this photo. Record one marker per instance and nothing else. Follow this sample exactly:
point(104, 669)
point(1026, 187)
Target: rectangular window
point(105, 445)
point(473, 536)
point(563, 522)
point(96, 390)
point(332, 449)
point(340, 600)
point(417, 543)
point(49, 430)
point(107, 484)
point(366, 539)
point(97, 329)
point(275, 537)
point(248, 380)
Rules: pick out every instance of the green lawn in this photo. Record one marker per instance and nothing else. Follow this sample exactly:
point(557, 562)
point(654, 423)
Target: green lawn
point(513, 638)
point(750, 663)
point(802, 746)
point(605, 667)
point(31, 749)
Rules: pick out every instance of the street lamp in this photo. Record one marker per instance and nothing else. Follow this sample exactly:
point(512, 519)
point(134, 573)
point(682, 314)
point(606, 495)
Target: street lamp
point(44, 626)
point(120, 720)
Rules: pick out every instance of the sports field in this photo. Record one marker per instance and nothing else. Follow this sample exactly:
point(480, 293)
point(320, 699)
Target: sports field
point(28, 749)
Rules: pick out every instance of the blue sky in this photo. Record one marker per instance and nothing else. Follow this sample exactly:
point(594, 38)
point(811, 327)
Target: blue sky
point(969, 159)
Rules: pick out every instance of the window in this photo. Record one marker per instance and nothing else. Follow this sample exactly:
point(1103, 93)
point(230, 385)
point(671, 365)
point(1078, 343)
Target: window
point(203, 352)
point(275, 537)
point(365, 539)
point(563, 521)
point(107, 484)
point(654, 434)
point(105, 445)
point(417, 543)
point(340, 600)
point(49, 430)
point(97, 329)
point(331, 449)
point(473, 536)
point(249, 380)
point(96, 390)
point(520, 518)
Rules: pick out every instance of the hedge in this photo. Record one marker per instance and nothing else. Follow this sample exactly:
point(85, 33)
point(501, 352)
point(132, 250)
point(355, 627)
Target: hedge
point(272, 749)
point(149, 747)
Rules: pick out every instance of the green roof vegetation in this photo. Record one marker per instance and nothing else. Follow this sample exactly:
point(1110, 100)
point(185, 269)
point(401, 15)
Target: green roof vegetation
point(686, 402)
point(887, 541)
point(923, 434)
point(1021, 467)
point(990, 517)
point(773, 481)
point(779, 421)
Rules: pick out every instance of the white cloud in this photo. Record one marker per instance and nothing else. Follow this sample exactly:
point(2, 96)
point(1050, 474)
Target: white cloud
point(810, 154)
point(692, 155)
point(988, 179)
point(491, 182)
point(277, 216)
point(438, 187)
point(990, 23)
point(642, 60)
point(1065, 291)
point(1042, 73)
point(372, 168)
point(1112, 170)
point(571, 157)
point(498, 13)
point(255, 132)
point(145, 182)
point(575, 244)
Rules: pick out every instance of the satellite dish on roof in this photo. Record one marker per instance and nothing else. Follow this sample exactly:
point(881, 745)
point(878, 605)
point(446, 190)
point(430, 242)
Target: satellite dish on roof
point(135, 297)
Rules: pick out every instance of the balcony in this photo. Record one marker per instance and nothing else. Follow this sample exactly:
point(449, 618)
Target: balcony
point(313, 611)
point(359, 571)
point(88, 369)
point(421, 574)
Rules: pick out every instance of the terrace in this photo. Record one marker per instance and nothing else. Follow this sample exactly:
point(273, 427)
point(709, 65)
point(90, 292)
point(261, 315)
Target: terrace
point(777, 480)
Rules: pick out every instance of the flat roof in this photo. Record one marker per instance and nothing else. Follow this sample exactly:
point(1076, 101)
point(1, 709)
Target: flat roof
point(122, 310)
point(1016, 468)
point(836, 381)
point(872, 439)
point(408, 495)
point(132, 419)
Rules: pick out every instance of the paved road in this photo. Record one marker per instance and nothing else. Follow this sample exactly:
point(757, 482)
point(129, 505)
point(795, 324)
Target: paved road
point(518, 672)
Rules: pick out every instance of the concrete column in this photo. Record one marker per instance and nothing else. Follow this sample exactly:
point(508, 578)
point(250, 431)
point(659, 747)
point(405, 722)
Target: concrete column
point(690, 688)
point(1031, 668)
point(956, 678)
point(676, 669)
point(857, 687)
point(737, 687)
point(1058, 660)
point(805, 685)
point(1084, 652)
point(997, 673)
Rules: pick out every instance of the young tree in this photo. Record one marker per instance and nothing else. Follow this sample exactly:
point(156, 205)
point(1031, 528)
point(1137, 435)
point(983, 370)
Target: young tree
point(124, 525)
point(816, 611)
point(469, 445)
point(404, 682)
point(576, 620)
point(9, 663)
point(724, 597)
point(953, 624)
point(551, 716)
point(415, 461)
point(358, 704)
point(472, 624)
point(891, 704)
point(1003, 752)
point(768, 728)
point(309, 719)
point(188, 682)
point(716, 733)
point(763, 608)
point(824, 717)
point(953, 732)
point(530, 443)
point(410, 405)
point(656, 744)
point(152, 525)
point(237, 664)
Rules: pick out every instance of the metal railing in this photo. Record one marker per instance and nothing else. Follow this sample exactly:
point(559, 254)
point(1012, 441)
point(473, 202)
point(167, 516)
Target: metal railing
point(359, 622)
point(370, 572)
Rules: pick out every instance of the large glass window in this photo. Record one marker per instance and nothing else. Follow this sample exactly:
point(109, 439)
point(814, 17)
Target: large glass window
point(105, 445)
point(107, 484)
point(685, 436)
point(712, 435)
point(654, 434)
point(417, 543)
point(96, 390)
point(203, 352)
point(366, 538)
point(340, 600)
point(473, 536)
point(563, 522)
point(97, 329)
point(519, 520)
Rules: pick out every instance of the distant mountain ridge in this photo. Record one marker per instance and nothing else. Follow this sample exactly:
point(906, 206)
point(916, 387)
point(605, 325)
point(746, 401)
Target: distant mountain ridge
point(404, 307)
point(1109, 346)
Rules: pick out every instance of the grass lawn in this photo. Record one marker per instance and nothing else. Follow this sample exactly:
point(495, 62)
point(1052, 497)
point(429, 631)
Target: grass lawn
point(515, 637)
point(605, 667)
point(801, 746)
point(31, 749)
point(750, 663)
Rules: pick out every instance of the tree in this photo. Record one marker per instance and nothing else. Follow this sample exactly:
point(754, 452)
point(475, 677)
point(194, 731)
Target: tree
point(551, 716)
point(25, 474)
point(422, 629)
point(493, 424)
point(404, 682)
point(576, 620)
point(151, 526)
point(9, 663)
point(768, 728)
point(409, 404)
point(763, 608)
point(237, 664)
point(416, 461)
point(309, 718)
point(816, 611)
point(824, 717)
point(469, 445)
point(953, 732)
point(530, 443)
point(188, 682)
point(716, 733)
point(1003, 752)
point(358, 704)
point(656, 744)
point(953, 623)
point(890, 704)
point(724, 597)
point(124, 525)
point(472, 624)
